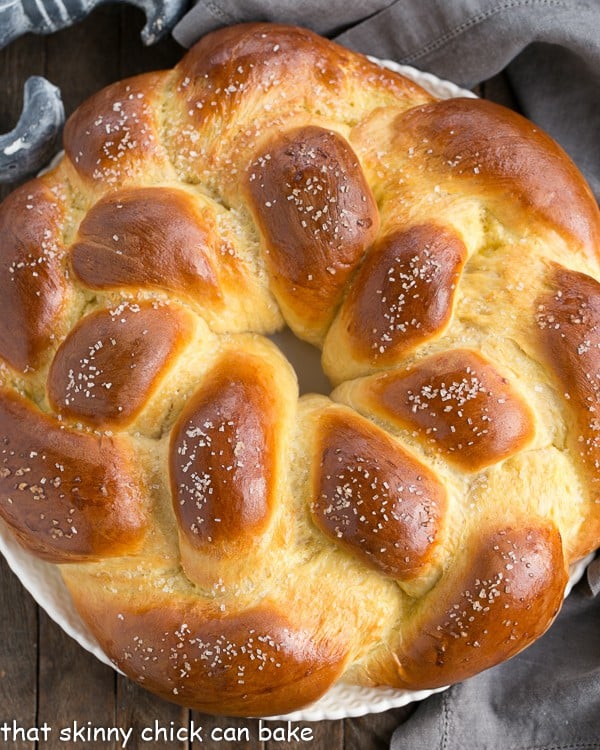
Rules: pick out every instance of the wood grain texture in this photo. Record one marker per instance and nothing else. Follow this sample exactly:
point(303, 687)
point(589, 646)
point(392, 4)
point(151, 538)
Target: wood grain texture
point(77, 64)
point(213, 727)
point(73, 686)
point(18, 654)
point(140, 710)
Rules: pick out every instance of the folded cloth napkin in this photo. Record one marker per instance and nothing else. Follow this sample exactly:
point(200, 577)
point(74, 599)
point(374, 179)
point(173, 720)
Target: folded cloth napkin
point(547, 698)
point(550, 49)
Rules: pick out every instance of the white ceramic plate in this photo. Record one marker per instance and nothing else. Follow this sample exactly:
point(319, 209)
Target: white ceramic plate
point(44, 583)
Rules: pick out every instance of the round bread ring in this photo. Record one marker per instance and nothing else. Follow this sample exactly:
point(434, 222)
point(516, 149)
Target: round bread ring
point(524, 369)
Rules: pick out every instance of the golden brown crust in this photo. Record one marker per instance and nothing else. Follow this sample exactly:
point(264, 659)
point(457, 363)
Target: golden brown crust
point(457, 402)
point(243, 54)
point(402, 295)
point(257, 662)
point(230, 97)
point(499, 598)
point(109, 366)
point(174, 240)
point(375, 499)
point(444, 254)
point(67, 495)
point(525, 176)
point(237, 55)
point(33, 290)
point(226, 462)
point(318, 217)
point(222, 456)
point(113, 137)
point(150, 238)
point(569, 330)
point(223, 76)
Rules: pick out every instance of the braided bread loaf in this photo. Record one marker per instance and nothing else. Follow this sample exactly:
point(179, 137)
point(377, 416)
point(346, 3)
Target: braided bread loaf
point(235, 548)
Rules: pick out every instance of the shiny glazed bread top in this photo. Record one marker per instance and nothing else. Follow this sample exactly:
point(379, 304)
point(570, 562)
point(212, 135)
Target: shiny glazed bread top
point(232, 546)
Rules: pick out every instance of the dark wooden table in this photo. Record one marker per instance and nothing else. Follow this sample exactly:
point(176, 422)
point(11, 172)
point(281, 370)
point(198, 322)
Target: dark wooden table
point(44, 675)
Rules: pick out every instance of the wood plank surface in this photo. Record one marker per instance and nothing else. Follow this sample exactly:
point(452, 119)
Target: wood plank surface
point(219, 732)
point(140, 711)
point(44, 675)
point(76, 692)
point(83, 59)
point(374, 730)
point(18, 656)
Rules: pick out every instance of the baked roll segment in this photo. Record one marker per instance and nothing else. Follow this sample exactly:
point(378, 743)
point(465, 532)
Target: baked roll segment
point(525, 179)
point(455, 402)
point(287, 63)
point(227, 77)
point(153, 238)
point(110, 364)
point(374, 498)
point(238, 85)
point(317, 216)
point(227, 455)
point(568, 318)
point(500, 595)
point(114, 136)
point(260, 661)
point(67, 495)
point(401, 298)
point(33, 290)
point(170, 239)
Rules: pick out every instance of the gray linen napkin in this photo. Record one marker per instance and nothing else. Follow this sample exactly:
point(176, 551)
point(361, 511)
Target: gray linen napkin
point(548, 697)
